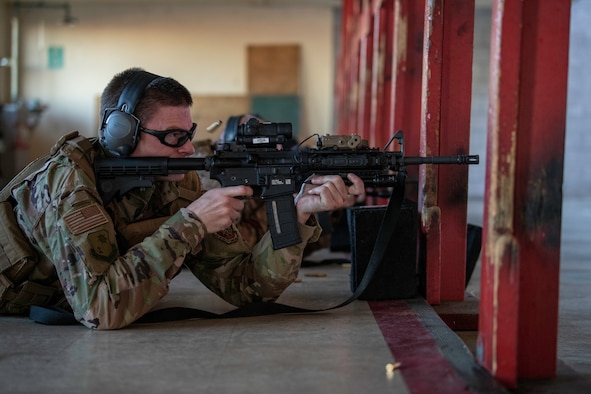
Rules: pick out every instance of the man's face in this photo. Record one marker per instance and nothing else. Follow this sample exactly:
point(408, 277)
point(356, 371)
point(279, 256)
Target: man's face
point(165, 118)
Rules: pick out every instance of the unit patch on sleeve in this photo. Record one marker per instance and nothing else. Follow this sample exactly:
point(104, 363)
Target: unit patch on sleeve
point(228, 235)
point(85, 219)
point(100, 247)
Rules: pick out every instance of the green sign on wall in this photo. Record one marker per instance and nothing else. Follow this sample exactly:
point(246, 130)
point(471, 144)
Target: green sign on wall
point(55, 57)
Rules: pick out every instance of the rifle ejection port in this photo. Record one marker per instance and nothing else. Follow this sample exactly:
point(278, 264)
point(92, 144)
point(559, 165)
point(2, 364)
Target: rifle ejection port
point(281, 181)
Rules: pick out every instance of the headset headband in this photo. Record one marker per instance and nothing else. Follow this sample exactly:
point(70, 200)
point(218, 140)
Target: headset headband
point(120, 128)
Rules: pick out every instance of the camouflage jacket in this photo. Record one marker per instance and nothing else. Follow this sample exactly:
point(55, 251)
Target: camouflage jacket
point(114, 263)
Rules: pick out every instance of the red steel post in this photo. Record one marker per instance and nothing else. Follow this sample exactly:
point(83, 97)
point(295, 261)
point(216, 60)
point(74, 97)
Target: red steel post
point(445, 130)
point(346, 89)
point(523, 197)
point(456, 100)
point(382, 72)
point(407, 65)
point(429, 145)
point(366, 49)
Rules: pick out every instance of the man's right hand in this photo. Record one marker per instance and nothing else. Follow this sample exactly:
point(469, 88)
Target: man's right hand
point(219, 208)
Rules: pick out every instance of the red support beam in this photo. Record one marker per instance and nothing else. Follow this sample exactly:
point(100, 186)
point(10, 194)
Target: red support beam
point(346, 85)
point(407, 64)
point(456, 100)
point(429, 145)
point(381, 79)
point(381, 86)
point(523, 196)
point(366, 49)
point(445, 130)
point(497, 343)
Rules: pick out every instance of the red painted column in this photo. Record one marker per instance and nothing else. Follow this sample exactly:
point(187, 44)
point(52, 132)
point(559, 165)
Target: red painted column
point(429, 145)
point(381, 80)
point(445, 130)
point(348, 69)
point(499, 299)
point(341, 69)
point(523, 197)
point(382, 73)
point(364, 98)
point(456, 100)
point(407, 65)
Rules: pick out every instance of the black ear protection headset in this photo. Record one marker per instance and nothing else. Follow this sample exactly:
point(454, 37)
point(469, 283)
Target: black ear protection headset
point(231, 128)
point(119, 127)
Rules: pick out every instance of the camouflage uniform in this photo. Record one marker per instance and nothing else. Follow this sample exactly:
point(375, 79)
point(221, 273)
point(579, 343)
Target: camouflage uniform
point(115, 263)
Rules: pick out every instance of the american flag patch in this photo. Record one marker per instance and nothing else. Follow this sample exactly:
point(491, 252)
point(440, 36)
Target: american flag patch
point(85, 219)
point(228, 235)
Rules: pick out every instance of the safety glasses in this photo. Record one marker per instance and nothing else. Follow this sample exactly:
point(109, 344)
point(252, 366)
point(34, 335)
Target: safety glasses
point(174, 137)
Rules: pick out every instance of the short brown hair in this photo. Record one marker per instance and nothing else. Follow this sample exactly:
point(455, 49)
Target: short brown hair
point(162, 91)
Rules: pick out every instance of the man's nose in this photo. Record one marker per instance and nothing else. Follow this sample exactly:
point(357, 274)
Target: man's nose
point(187, 148)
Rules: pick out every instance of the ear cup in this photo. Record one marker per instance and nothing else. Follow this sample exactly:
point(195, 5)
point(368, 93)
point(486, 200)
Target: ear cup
point(120, 133)
point(119, 128)
point(231, 129)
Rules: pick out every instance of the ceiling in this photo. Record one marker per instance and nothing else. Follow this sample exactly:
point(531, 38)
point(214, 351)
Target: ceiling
point(221, 3)
point(319, 3)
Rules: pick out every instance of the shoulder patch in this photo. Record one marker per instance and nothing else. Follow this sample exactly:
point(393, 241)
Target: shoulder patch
point(229, 235)
point(85, 219)
point(100, 247)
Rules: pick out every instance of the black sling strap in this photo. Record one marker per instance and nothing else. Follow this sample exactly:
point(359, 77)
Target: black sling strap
point(52, 315)
point(56, 316)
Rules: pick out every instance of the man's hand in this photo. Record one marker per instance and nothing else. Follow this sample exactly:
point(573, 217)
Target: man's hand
point(219, 208)
point(327, 192)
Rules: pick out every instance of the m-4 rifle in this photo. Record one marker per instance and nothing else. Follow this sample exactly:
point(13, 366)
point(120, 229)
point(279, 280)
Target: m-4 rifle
point(256, 159)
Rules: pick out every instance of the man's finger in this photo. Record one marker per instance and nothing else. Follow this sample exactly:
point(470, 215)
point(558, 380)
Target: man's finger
point(236, 191)
point(357, 186)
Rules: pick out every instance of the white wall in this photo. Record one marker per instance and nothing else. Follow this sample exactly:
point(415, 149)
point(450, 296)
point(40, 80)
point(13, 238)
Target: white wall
point(4, 53)
point(577, 178)
point(202, 47)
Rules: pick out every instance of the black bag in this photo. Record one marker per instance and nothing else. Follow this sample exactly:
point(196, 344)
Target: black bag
point(403, 273)
point(396, 277)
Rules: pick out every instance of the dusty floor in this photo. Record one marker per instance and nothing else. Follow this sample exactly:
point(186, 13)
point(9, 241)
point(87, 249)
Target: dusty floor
point(345, 350)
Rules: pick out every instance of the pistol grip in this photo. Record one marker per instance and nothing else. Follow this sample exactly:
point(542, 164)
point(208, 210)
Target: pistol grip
point(283, 222)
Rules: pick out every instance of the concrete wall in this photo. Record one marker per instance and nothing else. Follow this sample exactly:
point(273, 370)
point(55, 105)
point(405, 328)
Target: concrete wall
point(202, 47)
point(4, 52)
point(577, 178)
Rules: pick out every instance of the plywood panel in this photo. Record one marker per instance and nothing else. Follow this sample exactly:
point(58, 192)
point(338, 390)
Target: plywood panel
point(273, 69)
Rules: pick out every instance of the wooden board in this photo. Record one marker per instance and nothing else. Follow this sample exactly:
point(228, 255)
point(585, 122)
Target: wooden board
point(273, 69)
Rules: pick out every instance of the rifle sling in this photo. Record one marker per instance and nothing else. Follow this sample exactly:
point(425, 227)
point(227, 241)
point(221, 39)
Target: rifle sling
point(57, 316)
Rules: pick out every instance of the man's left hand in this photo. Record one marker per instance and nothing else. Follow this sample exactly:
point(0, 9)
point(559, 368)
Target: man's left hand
point(326, 193)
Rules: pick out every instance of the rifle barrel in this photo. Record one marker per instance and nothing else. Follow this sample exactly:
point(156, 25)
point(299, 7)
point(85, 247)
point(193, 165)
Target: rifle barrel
point(458, 159)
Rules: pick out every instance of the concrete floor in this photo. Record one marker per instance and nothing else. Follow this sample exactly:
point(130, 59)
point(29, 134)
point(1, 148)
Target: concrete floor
point(345, 350)
point(574, 344)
